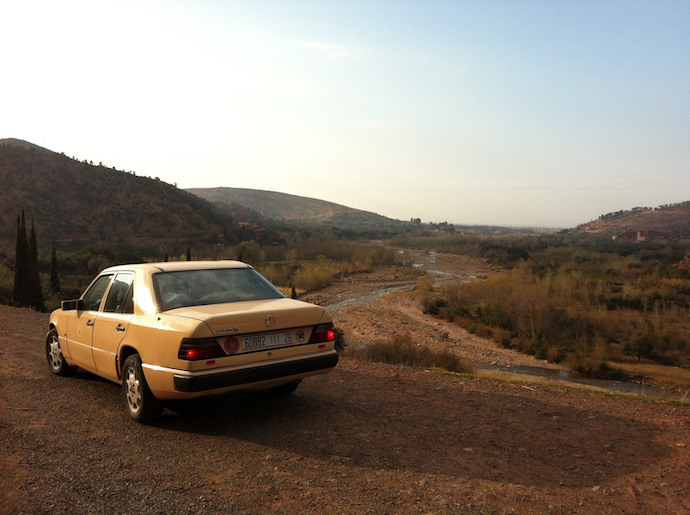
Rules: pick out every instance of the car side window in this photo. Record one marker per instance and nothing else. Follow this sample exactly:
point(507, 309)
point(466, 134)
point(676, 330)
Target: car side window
point(119, 292)
point(129, 301)
point(94, 296)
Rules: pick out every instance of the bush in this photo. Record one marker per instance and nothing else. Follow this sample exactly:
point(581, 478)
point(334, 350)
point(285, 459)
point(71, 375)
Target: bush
point(554, 354)
point(501, 337)
point(340, 342)
point(432, 306)
point(401, 350)
point(314, 276)
point(481, 330)
point(639, 345)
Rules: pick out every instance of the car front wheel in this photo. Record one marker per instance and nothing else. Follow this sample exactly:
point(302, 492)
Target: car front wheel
point(56, 361)
point(141, 404)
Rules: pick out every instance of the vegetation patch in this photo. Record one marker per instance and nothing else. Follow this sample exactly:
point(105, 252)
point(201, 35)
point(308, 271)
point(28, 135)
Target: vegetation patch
point(582, 302)
point(402, 350)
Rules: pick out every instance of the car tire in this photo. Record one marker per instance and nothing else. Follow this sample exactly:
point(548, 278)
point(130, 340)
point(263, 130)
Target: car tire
point(56, 360)
point(141, 404)
point(284, 389)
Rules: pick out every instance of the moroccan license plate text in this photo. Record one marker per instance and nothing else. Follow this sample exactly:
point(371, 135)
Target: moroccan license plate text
point(259, 341)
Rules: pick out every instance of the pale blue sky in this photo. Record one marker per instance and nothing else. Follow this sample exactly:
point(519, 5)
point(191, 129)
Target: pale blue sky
point(542, 113)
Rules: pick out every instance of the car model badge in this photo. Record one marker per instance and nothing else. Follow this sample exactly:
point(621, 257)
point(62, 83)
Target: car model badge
point(270, 321)
point(227, 330)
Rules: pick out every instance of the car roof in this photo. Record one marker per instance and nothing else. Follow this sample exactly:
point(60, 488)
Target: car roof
point(175, 266)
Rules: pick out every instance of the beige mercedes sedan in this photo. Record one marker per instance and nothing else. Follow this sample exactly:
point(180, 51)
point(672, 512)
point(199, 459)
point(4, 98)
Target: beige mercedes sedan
point(188, 329)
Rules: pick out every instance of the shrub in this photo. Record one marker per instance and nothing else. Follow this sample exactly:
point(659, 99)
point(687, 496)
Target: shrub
point(340, 342)
point(639, 345)
point(554, 354)
point(483, 331)
point(501, 337)
point(432, 306)
point(425, 283)
point(314, 276)
point(401, 350)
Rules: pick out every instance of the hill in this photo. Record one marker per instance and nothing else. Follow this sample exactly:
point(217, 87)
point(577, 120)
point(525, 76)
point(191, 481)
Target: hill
point(293, 208)
point(669, 222)
point(72, 200)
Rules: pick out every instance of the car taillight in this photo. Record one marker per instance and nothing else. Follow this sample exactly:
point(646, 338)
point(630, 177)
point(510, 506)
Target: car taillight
point(202, 348)
point(322, 333)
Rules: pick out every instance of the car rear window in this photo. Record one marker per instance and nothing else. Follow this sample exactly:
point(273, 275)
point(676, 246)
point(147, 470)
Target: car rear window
point(216, 286)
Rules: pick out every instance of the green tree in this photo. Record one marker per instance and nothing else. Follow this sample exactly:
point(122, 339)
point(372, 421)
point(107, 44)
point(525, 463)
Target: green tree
point(35, 290)
point(189, 254)
point(639, 345)
point(20, 288)
point(247, 251)
point(54, 279)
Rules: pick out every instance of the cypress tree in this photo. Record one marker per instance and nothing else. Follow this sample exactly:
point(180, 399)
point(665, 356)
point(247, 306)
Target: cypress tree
point(189, 254)
point(54, 279)
point(21, 287)
point(35, 290)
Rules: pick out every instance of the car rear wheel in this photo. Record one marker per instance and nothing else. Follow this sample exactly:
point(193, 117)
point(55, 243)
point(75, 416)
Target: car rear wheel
point(56, 361)
point(141, 404)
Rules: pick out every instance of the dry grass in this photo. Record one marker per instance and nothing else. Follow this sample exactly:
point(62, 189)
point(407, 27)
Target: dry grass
point(668, 375)
point(401, 350)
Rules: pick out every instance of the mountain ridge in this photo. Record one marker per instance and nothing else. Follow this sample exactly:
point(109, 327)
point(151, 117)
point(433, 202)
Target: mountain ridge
point(74, 200)
point(294, 208)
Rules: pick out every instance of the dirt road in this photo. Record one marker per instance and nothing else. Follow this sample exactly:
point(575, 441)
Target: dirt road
point(367, 438)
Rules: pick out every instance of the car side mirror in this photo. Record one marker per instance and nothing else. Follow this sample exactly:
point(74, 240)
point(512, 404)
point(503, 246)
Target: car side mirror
point(72, 305)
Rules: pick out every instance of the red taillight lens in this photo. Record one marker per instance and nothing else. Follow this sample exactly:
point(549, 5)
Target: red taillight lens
point(197, 349)
point(322, 333)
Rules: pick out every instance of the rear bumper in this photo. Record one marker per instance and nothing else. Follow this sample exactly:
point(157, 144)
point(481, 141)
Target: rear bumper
point(194, 383)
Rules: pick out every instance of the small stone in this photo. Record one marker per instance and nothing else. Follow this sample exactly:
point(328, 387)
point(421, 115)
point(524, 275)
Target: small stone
point(597, 488)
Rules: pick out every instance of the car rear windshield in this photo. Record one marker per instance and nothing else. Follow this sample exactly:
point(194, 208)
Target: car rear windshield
point(217, 286)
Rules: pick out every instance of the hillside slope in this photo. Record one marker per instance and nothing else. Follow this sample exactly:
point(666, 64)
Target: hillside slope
point(670, 222)
point(72, 200)
point(293, 208)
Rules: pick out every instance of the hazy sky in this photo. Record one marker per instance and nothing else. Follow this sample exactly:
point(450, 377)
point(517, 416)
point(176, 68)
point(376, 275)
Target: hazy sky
point(546, 113)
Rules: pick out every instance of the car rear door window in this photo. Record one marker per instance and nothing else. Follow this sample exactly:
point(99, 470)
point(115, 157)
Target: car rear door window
point(119, 293)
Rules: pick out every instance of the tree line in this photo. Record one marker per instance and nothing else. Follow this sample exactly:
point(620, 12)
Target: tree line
point(26, 289)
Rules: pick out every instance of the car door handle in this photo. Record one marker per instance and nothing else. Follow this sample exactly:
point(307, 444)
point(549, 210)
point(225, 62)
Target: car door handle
point(120, 328)
point(89, 323)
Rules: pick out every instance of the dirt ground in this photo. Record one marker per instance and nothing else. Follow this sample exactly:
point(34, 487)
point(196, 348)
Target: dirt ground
point(366, 438)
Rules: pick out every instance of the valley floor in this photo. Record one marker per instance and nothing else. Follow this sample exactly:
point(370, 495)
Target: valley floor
point(366, 438)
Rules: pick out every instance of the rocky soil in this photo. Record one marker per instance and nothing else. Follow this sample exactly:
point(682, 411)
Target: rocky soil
point(366, 438)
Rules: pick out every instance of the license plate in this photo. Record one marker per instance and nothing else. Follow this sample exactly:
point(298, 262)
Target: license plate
point(261, 341)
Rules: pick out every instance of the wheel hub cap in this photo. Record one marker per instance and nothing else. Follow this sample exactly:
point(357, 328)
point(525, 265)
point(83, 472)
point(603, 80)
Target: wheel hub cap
point(133, 388)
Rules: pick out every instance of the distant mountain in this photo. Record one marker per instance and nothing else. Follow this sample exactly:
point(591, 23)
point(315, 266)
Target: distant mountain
point(671, 222)
point(293, 208)
point(72, 200)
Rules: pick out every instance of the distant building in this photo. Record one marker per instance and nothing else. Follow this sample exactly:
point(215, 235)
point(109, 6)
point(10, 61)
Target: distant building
point(260, 233)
